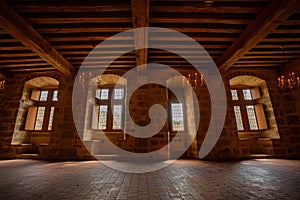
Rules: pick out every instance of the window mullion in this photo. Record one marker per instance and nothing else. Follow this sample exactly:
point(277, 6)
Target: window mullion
point(110, 102)
point(46, 118)
point(244, 115)
point(110, 111)
point(47, 105)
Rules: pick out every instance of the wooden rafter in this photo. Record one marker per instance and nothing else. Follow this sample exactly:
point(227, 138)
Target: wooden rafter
point(15, 25)
point(140, 16)
point(266, 22)
point(52, 7)
point(200, 8)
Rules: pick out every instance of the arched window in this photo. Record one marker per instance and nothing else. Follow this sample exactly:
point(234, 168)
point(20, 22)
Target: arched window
point(36, 114)
point(109, 108)
point(181, 115)
point(105, 106)
point(248, 112)
point(252, 107)
point(40, 113)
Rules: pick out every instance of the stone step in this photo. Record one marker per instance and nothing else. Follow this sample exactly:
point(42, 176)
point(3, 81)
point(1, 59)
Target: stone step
point(105, 157)
point(28, 156)
point(260, 156)
point(24, 149)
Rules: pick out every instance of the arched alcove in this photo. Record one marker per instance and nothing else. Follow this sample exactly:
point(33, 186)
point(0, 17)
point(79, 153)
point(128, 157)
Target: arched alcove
point(27, 112)
point(260, 138)
point(93, 134)
point(187, 99)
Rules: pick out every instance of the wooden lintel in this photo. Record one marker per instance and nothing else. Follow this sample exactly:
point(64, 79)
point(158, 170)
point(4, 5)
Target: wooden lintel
point(266, 22)
point(140, 16)
point(15, 25)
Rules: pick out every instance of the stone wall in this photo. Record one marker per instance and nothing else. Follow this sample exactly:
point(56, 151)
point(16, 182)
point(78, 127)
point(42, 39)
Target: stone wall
point(286, 112)
point(65, 143)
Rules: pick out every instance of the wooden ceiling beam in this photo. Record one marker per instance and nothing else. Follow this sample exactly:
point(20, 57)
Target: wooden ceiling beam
point(276, 46)
point(281, 39)
point(19, 60)
point(121, 29)
point(198, 20)
point(32, 69)
point(256, 65)
point(15, 25)
point(266, 22)
point(99, 38)
point(201, 8)
point(78, 20)
point(162, 45)
point(116, 29)
point(155, 38)
point(289, 31)
point(12, 48)
point(24, 65)
point(70, 20)
point(276, 53)
point(140, 17)
point(72, 8)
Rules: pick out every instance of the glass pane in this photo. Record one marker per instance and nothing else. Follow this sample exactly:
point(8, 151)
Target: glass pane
point(44, 96)
point(117, 117)
point(177, 117)
point(98, 92)
point(54, 98)
point(104, 93)
point(51, 119)
point(238, 118)
point(102, 117)
point(251, 117)
point(119, 93)
point(39, 118)
point(234, 95)
point(247, 94)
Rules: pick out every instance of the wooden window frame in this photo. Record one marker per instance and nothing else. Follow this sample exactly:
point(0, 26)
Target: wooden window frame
point(258, 107)
point(31, 118)
point(173, 99)
point(110, 102)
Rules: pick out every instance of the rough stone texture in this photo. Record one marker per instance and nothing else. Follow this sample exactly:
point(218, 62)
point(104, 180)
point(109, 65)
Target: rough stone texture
point(65, 143)
point(286, 112)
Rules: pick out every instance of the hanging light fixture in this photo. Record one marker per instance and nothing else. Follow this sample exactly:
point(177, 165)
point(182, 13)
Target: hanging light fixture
point(83, 78)
point(289, 79)
point(2, 82)
point(195, 80)
point(2, 85)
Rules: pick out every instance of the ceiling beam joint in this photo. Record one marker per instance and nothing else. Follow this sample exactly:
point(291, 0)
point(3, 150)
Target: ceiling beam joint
point(19, 28)
point(140, 17)
point(265, 23)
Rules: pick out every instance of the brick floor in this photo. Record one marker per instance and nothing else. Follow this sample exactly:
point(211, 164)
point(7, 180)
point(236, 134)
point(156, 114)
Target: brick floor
point(184, 179)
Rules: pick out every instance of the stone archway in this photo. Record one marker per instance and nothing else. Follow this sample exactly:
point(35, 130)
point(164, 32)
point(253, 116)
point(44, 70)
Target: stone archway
point(260, 141)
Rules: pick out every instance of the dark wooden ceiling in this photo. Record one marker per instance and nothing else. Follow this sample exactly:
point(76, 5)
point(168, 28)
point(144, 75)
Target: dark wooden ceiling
point(45, 35)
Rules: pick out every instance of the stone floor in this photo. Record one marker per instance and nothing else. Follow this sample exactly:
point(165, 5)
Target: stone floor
point(184, 179)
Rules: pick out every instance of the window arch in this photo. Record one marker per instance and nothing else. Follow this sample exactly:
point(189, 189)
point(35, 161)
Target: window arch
point(252, 107)
point(105, 106)
point(36, 111)
point(183, 106)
